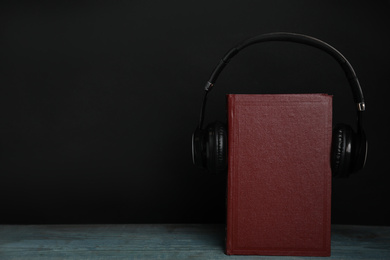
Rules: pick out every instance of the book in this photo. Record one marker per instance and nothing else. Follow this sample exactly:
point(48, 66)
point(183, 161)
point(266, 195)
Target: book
point(279, 174)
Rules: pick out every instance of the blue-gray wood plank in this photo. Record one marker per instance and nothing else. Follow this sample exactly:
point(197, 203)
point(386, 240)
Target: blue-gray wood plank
point(165, 241)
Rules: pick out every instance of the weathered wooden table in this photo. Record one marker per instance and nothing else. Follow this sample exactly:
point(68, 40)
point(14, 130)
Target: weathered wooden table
point(164, 241)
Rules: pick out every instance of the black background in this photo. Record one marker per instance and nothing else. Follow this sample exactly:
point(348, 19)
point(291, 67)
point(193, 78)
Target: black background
point(99, 101)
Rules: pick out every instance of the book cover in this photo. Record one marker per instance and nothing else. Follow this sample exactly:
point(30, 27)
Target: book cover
point(279, 174)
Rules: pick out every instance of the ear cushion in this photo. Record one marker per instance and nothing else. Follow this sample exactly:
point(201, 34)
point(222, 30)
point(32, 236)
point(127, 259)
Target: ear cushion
point(216, 148)
point(342, 146)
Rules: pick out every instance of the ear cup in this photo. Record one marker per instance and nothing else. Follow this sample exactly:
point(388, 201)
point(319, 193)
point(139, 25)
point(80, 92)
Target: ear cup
point(199, 148)
point(361, 151)
point(342, 151)
point(216, 147)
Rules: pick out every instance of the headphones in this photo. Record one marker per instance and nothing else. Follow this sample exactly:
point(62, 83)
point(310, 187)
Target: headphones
point(349, 148)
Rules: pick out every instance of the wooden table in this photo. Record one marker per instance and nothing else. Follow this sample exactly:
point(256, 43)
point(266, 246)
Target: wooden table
point(164, 241)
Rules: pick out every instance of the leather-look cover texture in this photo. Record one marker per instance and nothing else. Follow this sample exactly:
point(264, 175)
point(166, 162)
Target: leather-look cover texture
point(279, 175)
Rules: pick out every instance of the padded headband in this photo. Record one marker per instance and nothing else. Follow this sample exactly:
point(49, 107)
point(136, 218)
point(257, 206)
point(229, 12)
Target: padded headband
point(290, 37)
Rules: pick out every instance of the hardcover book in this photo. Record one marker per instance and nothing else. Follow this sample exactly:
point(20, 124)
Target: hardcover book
point(279, 174)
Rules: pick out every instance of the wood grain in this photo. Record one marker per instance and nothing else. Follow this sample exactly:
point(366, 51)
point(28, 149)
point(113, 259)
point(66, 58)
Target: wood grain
point(164, 241)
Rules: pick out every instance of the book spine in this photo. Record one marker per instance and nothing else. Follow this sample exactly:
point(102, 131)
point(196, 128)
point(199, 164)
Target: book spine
point(230, 175)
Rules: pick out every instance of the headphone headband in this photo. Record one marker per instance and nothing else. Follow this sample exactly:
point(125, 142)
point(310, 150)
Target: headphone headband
point(290, 37)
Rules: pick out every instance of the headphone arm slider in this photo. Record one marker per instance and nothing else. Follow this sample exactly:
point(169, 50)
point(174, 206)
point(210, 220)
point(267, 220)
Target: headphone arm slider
point(361, 106)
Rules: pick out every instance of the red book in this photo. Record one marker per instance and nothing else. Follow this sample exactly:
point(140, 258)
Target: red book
point(279, 175)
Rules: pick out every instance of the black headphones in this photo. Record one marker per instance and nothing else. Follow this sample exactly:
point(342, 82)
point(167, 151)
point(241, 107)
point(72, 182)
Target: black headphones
point(349, 148)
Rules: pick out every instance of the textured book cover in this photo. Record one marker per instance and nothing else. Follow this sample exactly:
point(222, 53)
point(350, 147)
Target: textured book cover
point(279, 175)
